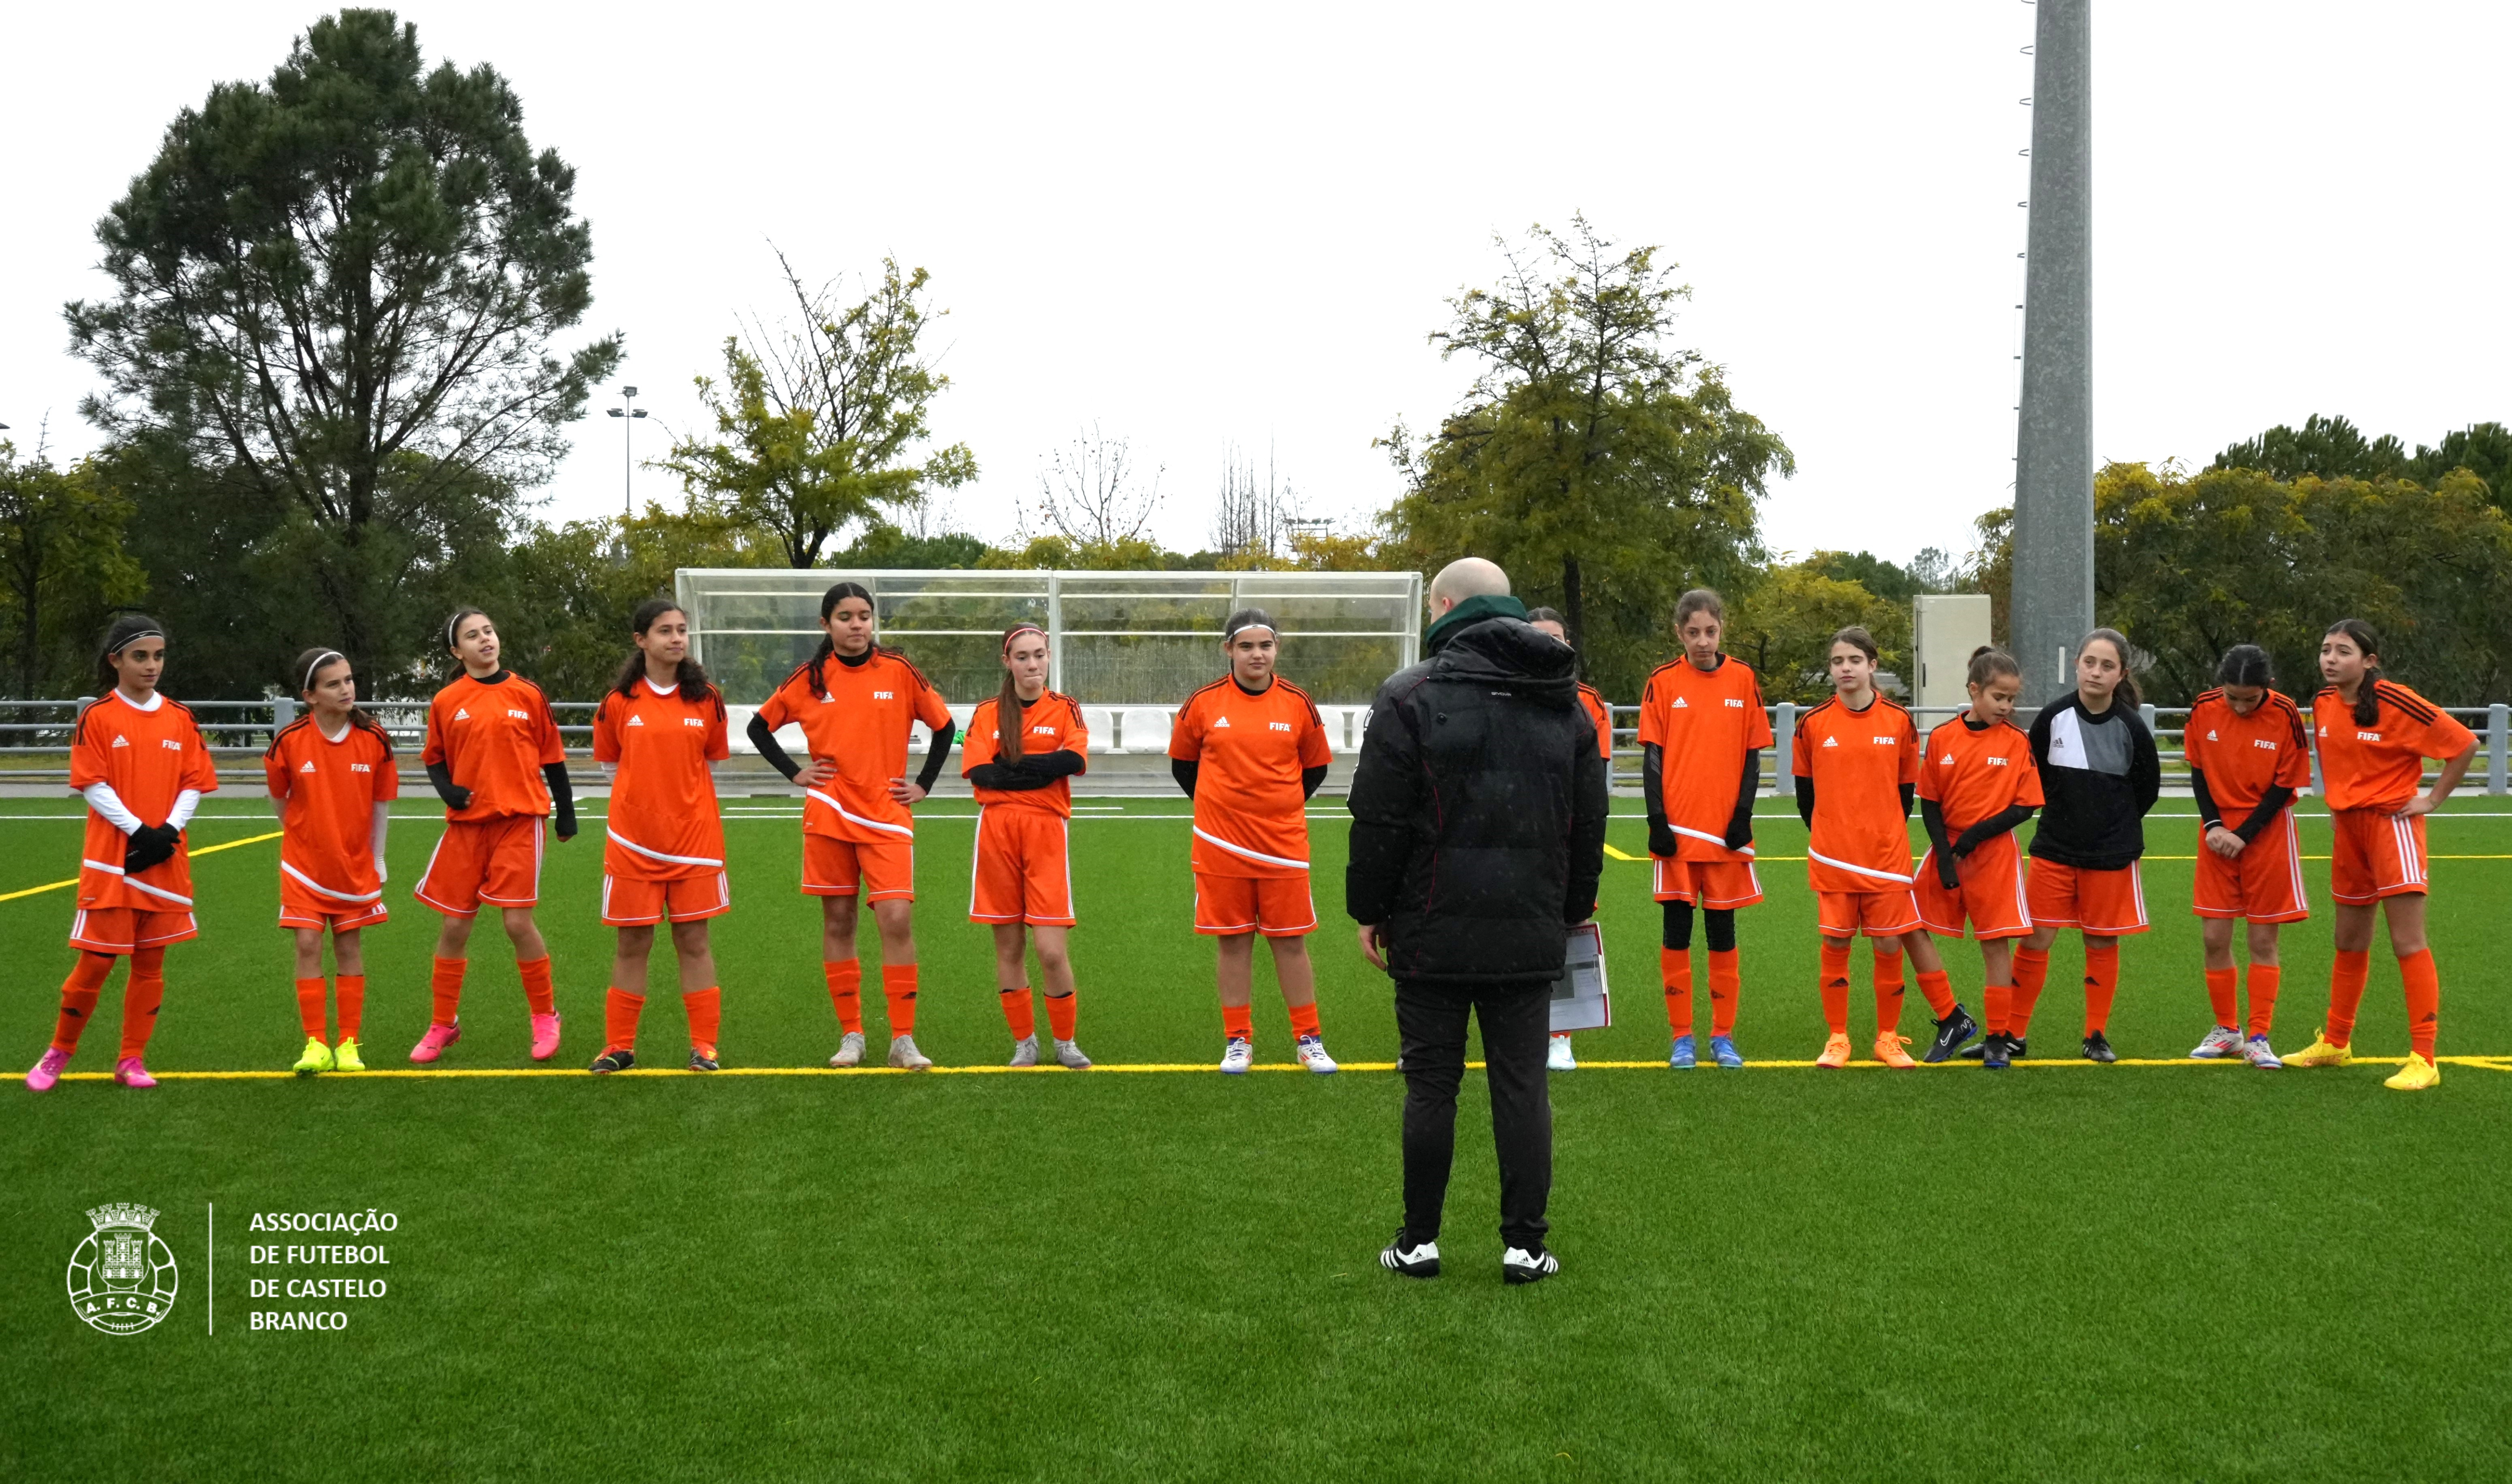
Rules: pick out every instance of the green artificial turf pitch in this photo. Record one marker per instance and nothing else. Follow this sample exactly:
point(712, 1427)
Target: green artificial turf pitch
point(2136, 1272)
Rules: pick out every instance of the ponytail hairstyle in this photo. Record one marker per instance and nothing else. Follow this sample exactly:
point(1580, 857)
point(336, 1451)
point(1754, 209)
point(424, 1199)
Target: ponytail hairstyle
point(1853, 635)
point(1010, 728)
point(300, 679)
point(692, 677)
point(117, 636)
point(829, 602)
point(453, 625)
point(2246, 665)
point(1699, 600)
point(2368, 706)
point(2127, 692)
point(1988, 662)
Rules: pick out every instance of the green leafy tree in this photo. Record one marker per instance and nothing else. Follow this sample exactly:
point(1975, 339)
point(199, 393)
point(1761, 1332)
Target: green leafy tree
point(2334, 448)
point(1604, 468)
point(63, 568)
point(1782, 624)
point(338, 301)
point(821, 426)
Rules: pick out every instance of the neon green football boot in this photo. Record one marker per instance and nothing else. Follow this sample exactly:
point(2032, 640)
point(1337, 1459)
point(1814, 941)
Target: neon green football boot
point(344, 1056)
point(317, 1057)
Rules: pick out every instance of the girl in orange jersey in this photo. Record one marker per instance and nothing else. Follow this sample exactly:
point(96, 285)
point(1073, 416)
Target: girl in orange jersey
point(659, 735)
point(1857, 766)
point(2099, 775)
point(494, 758)
point(137, 759)
point(2374, 737)
point(1975, 785)
point(1702, 734)
point(1023, 748)
point(1250, 750)
point(1560, 1058)
point(854, 701)
point(2250, 753)
point(332, 779)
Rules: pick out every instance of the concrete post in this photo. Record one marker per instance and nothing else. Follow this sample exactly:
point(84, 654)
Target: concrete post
point(2499, 732)
point(2052, 604)
point(1783, 732)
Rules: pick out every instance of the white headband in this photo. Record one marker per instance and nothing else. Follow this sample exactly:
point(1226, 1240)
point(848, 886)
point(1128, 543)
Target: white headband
point(1230, 634)
point(320, 660)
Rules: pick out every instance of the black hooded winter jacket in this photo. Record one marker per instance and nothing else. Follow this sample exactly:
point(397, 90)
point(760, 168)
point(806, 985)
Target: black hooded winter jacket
point(1479, 805)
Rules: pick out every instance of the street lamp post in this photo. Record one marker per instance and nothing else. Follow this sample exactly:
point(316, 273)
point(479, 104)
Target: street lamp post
point(628, 412)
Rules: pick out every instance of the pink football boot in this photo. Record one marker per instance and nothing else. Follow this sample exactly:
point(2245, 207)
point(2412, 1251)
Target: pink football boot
point(432, 1045)
point(130, 1074)
point(544, 1037)
point(49, 1070)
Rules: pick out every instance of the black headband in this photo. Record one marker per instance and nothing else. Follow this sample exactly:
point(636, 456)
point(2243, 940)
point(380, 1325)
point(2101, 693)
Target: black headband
point(128, 639)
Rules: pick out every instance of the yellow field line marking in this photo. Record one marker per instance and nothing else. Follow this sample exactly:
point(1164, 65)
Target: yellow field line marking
point(249, 839)
point(2486, 1063)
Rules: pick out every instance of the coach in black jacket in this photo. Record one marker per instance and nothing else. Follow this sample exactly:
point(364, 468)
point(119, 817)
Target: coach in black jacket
point(1478, 835)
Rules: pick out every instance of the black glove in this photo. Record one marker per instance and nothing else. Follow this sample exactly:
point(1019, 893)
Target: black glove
point(456, 797)
point(1740, 833)
point(149, 845)
point(1662, 841)
point(1948, 875)
point(566, 824)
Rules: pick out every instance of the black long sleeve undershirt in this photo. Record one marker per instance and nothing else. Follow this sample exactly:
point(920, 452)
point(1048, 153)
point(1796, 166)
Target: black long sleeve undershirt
point(935, 754)
point(764, 737)
point(1184, 771)
point(562, 797)
point(2209, 816)
point(1740, 825)
point(1932, 817)
point(439, 776)
point(2271, 804)
point(1309, 778)
point(1805, 799)
point(1991, 827)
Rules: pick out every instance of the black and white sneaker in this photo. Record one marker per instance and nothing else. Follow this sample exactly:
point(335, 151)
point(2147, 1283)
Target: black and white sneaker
point(1993, 1051)
point(1519, 1266)
point(1419, 1262)
point(702, 1059)
point(2097, 1048)
point(1951, 1031)
point(615, 1059)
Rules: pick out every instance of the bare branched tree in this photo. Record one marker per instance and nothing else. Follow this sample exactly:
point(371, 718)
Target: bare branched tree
point(1094, 494)
point(1254, 516)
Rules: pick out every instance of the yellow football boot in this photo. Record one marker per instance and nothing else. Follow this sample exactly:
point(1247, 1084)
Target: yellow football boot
point(317, 1057)
point(2320, 1053)
point(2417, 1075)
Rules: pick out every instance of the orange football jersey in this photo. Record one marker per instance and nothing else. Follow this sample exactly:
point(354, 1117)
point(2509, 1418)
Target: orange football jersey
point(149, 754)
point(1705, 720)
point(664, 823)
point(2381, 766)
point(2244, 755)
point(1593, 700)
point(1252, 815)
point(495, 735)
point(1975, 773)
point(1054, 722)
point(861, 726)
point(1859, 761)
point(329, 788)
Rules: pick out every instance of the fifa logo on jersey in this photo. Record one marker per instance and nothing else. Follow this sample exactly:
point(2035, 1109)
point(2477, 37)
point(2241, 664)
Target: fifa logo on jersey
point(355, 767)
point(520, 715)
point(2368, 736)
point(2258, 742)
point(691, 722)
point(1884, 741)
point(1735, 703)
point(122, 1278)
point(169, 744)
point(1991, 761)
point(884, 695)
point(1042, 731)
point(1281, 726)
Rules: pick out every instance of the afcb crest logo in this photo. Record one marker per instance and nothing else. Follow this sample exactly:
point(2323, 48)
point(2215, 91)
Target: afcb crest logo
point(122, 1278)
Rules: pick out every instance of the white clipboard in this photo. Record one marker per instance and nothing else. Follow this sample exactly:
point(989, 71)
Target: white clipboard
point(1581, 1001)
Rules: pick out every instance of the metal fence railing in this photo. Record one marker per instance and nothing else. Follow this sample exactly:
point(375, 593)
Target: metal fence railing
point(35, 737)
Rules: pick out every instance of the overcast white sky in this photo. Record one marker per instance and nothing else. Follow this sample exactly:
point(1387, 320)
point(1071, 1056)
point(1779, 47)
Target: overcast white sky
point(1200, 225)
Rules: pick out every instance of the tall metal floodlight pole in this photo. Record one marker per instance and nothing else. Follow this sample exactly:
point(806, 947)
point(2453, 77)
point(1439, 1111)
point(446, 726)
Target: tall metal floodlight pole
point(2054, 444)
point(629, 411)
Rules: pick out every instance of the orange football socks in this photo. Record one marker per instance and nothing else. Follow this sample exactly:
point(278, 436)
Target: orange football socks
point(2425, 1000)
point(1674, 968)
point(444, 989)
point(141, 998)
point(78, 999)
point(2102, 987)
point(898, 987)
point(352, 993)
point(619, 1012)
point(1062, 1013)
point(2032, 972)
point(845, 991)
point(310, 1006)
point(1939, 988)
point(706, 1013)
point(1238, 1023)
point(1835, 988)
point(1726, 977)
point(1995, 1002)
point(2219, 997)
point(538, 990)
point(1019, 1013)
point(2264, 979)
point(1304, 1019)
point(2346, 980)
point(1888, 993)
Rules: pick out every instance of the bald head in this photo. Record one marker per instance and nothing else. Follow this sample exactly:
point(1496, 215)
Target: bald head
point(1464, 578)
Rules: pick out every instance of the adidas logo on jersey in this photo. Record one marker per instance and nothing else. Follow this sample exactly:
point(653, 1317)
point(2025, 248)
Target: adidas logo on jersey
point(308, 767)
point(636, 721)
point(462, 715)
point(2210, 736)
point(120, 740)
point(1221, 722)
point(1835, 742)
point(1681, 704)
